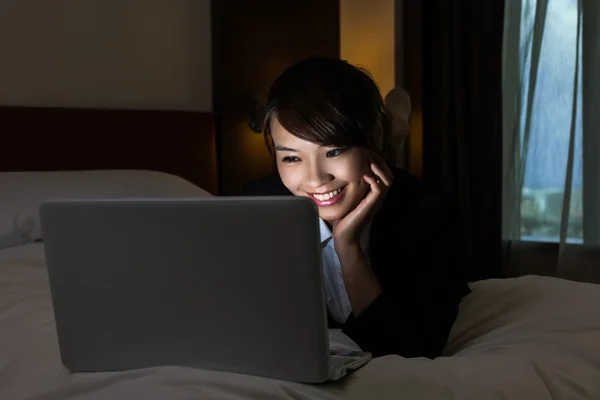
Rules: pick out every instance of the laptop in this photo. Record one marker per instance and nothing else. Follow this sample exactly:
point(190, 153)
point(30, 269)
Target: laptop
point(231, 284)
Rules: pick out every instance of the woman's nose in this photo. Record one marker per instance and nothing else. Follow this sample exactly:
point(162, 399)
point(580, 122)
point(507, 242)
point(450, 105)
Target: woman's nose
point(318, 176)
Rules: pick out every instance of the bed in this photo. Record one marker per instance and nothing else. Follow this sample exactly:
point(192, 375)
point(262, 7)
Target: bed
point(530, 337)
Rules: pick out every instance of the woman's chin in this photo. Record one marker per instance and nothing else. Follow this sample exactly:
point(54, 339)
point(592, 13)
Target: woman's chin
point(332, 213)
point(338, 211)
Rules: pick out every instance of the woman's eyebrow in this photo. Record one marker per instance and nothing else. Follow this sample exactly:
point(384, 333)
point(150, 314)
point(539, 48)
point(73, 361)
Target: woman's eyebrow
point(284, 148)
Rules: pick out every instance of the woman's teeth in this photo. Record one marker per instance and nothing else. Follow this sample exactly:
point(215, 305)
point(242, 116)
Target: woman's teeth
point(327, 196)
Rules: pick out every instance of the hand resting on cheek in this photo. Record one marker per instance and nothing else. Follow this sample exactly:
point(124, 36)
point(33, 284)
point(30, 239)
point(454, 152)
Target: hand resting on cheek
point(347, 231)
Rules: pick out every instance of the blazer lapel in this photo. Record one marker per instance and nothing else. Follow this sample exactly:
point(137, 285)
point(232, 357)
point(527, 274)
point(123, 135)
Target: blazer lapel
point(383, 227)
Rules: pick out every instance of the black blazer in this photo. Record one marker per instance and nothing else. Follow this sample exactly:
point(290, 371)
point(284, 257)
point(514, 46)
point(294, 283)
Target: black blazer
point(415, 252)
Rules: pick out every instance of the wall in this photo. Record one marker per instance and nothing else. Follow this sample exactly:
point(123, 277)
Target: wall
point(367, 31)
point(153, 54)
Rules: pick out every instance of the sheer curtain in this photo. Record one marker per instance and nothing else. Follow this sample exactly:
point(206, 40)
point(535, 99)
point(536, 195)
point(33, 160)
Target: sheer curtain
point(551, 124)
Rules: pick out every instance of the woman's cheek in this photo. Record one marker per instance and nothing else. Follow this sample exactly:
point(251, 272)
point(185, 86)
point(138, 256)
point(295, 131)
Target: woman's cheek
point(290, 178)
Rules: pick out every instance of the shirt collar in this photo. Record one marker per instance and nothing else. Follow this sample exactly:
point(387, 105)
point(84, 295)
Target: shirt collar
point(324, 231)
point(326, 234)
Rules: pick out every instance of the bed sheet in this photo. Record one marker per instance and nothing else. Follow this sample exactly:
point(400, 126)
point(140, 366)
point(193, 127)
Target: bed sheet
point(27, 253)
point(522, 338)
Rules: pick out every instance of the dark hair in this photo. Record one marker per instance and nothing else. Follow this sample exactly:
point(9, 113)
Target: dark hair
point(329, 102)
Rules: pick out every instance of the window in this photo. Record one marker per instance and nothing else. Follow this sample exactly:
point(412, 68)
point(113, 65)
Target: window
point(548, 116)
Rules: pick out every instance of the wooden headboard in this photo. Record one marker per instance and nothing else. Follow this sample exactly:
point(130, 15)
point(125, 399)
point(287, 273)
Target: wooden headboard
point(59, 139)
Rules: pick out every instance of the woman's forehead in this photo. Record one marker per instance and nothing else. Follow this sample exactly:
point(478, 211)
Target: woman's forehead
point(283, 138)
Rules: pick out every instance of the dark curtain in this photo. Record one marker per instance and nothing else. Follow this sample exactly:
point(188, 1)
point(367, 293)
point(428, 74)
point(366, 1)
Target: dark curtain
point(462, 142)
point(591, 122)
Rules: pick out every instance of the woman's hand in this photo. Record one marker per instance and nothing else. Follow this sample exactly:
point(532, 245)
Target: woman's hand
point(347, 231)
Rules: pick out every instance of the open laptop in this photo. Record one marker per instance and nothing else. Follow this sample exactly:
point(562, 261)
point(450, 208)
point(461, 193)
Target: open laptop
point(222, 283)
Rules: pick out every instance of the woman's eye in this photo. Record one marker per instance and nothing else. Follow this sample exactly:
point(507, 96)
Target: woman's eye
point(335, 152)
point(290, 159)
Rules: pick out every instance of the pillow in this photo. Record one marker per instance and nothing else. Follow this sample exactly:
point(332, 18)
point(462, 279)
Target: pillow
point(23, 192)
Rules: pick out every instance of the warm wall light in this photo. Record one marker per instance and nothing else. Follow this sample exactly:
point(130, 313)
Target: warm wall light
point(368, 38)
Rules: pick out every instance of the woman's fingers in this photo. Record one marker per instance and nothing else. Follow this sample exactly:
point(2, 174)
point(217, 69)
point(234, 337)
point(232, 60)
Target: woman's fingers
point(381, 174)
point(372, 181)
point(381, 169)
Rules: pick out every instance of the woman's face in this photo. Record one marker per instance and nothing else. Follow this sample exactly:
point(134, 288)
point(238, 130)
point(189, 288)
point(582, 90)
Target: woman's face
point(331, 177)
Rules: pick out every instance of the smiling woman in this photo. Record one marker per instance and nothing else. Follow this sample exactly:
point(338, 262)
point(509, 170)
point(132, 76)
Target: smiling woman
point(390, 244)
point(317, 124)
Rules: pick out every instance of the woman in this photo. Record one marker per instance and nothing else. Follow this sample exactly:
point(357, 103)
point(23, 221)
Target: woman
point(390, 243)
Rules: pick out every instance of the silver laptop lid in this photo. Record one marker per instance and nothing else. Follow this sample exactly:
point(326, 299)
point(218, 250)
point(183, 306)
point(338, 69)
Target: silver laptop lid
point(224, 283)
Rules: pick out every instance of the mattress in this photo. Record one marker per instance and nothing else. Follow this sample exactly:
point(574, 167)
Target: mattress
point(522, 338)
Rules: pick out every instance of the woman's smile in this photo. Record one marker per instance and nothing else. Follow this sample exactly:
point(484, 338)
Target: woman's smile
point(328, 198)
